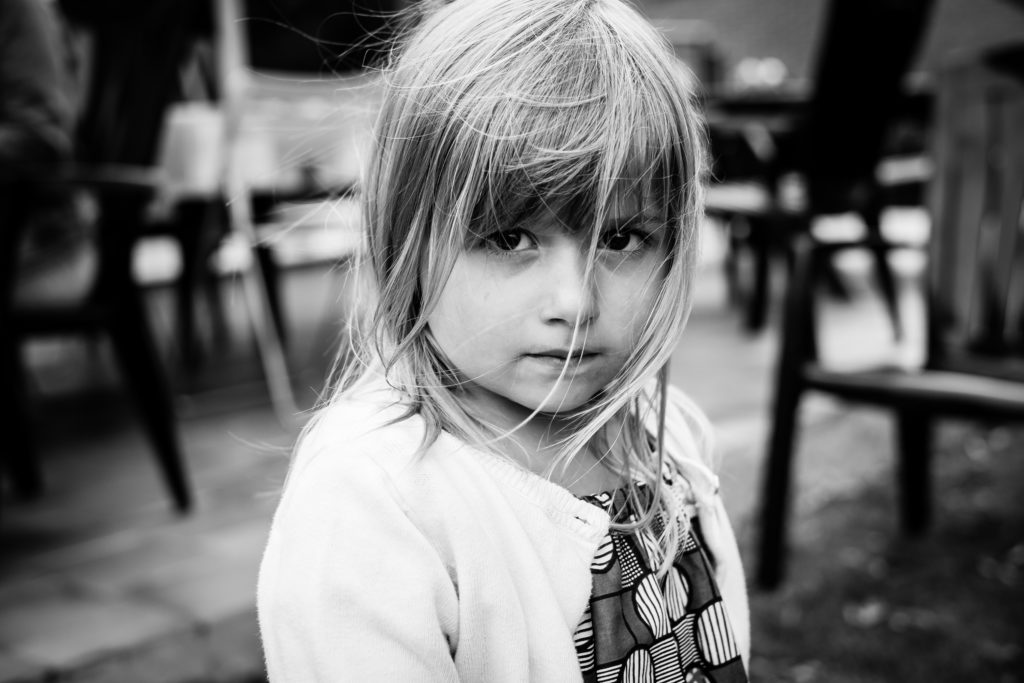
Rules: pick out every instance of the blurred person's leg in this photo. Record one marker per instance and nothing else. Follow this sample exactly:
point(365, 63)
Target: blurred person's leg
point(19, 461)
point(54, 252)
point(56, 257)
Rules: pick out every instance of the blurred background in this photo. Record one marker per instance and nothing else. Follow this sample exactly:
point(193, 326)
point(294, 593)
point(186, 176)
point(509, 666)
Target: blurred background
point(179, 183)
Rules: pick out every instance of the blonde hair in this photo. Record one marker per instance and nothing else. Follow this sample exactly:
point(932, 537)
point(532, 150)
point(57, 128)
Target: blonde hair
point(494, 109)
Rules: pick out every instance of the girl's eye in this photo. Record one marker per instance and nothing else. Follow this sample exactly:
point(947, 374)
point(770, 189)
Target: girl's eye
point(509, 240)
point(623, 240)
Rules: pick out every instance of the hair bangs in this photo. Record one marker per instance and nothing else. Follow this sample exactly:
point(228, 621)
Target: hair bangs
point(574, 124)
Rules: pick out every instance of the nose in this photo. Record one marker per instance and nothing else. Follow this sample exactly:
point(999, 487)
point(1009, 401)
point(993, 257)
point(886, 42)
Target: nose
point(569, 298)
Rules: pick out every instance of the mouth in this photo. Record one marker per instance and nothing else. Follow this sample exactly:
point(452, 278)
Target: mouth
point(563, 356)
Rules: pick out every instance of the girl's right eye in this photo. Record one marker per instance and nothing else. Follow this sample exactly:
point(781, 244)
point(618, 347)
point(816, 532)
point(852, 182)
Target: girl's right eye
point(509, 240)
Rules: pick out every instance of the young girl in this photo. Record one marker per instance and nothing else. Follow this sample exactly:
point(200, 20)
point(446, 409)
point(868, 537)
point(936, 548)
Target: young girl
point(502, 487)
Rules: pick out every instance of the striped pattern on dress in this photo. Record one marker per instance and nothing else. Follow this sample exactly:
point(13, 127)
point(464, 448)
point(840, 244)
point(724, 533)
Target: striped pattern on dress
point(714, 637)
point(584, 641)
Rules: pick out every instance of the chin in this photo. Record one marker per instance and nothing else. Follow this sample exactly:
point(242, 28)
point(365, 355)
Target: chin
point(557, 405)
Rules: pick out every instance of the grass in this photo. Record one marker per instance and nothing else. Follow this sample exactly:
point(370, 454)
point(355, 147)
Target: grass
point(863, 604)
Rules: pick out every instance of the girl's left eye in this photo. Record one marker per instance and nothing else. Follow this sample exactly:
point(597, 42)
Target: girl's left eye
point(623, 240)
point(509, 240)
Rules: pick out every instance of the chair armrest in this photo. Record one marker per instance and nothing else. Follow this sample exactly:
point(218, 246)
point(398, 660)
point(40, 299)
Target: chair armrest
point(112, 179)
point(821, 250)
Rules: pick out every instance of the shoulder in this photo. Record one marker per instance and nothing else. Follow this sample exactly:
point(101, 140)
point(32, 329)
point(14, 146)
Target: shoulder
point(372, 445)
point(359, 470)
point(373, 430)
point(358, 449)
point(349, 572)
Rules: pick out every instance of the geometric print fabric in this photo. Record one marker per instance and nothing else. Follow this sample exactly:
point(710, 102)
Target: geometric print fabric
point(639, 629)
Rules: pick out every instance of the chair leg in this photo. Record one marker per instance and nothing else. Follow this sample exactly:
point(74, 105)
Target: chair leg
point(191, 264)
point(21, 459)
point(211, 286)
point(271, 277)
point(775, 494)
point(914, 442)
point(137, 354)
point(271, 349)
point(883, 271)
point(730, 264)
point(199, 230)
point(761, 243)
point(214, 231)
point(18, 458)
point(834, 282)
point(887, 282)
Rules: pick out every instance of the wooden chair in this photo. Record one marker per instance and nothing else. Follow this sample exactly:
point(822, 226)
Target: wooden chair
point(974, 298)
point(832, 143)
point(133, 56)
point(288, 84)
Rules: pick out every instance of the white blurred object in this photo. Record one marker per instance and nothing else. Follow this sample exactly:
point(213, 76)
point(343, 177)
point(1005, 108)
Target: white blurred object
point(910, 225)
point(765, 73)
point(771, 72)
point(156, 260)
point(192, 149)
point(913, 168)
point(316, 232)
point(840, 227)
point(746, 73)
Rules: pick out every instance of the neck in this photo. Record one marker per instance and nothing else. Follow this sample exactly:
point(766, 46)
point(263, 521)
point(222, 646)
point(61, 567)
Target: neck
point(534, 441)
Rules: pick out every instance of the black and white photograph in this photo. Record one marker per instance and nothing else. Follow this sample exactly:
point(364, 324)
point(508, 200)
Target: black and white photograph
point(511, 341)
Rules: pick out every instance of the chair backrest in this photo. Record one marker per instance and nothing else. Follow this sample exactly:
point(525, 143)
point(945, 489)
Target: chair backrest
point(976, 271)
point(133, 55)
point(317, 37)
point(288, 132)
point(129, 63)
point(864, 52)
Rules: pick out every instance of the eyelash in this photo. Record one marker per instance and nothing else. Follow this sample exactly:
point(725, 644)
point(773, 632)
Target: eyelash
point(644, 238)
point(490, 241)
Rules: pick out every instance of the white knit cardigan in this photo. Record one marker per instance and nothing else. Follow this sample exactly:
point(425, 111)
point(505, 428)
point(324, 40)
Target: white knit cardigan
point(456, 565)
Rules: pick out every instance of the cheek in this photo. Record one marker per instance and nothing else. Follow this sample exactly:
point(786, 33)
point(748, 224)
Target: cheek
point(479, 294)
point(466, 309)
point(636, 296)
point(451, 315)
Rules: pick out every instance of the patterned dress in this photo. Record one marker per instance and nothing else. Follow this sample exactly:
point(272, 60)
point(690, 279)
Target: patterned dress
point(639, 629)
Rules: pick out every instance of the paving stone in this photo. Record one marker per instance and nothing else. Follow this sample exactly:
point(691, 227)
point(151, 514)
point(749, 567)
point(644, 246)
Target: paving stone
point(24, 589)
point(238, 653)
point(68, 631)
point(14, 669)
point(173, 659)
point(90, 547)
point(209, 591)
point(239, 540)
point(122, 573)
point(226, 652)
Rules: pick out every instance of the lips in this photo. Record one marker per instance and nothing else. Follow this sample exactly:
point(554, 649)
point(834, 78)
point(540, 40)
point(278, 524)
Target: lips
point(564, 355)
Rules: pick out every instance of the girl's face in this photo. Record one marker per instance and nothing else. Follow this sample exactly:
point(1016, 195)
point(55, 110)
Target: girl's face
point(523, 328)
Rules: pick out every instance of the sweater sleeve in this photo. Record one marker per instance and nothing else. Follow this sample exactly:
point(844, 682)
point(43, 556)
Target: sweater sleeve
point(349, 588)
